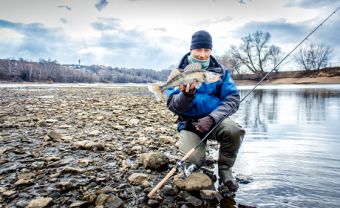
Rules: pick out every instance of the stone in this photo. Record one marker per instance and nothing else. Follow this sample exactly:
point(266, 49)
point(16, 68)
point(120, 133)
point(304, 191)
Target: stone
point(142, 141)
point(114, 202)
point(166, 139)
point(21, 182)
point(133, 122)
point(101, 198)
point(138, 178)
point(8, 193)
point(78, 204)
point(208, 194)
point(39, 202)
point(54, 135)
point(196, 181)
point(154, 160)
point(94, 133)
point(105, 190)
point(68, 169)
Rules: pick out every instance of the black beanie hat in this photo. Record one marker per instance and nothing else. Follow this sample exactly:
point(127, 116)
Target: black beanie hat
point(201, 39)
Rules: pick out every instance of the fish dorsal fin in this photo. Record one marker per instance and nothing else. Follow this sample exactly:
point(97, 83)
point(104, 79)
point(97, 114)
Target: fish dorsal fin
point(173, 74)
point(193, 67)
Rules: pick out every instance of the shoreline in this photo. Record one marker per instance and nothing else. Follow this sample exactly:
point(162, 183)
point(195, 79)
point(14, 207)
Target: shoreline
point(304, 80)
point(243, 82)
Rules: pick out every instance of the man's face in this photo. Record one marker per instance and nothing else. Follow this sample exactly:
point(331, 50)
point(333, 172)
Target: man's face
point(201, 53)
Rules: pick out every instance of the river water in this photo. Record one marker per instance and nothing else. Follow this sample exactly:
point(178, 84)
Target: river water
point(290, 156)
point(291, 152)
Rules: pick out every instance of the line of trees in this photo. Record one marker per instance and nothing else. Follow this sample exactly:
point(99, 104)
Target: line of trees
point(52, 71)
point(255, 54)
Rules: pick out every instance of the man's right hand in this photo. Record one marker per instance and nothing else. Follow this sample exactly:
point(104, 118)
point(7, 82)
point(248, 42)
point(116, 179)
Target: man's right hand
point(188, 89)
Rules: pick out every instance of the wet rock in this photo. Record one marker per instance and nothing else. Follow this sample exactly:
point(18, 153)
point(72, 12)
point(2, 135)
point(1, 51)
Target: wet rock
point(196, 181)
point(101, 199)
point(168, 190)
point(68, 169)
point(208, 194)
point(105, 190)
point(153, 203)
point(84, 162)
point(24, 174)
point(154, 160)
point(52, 158)
point(8, 193)
point(94, 133)
point(189, 199)
point(89, 145)
point(193, 201)
point(114, 202)
point(78, 204)
point(22, 182)
point(89, 197)
point(133, 122)
point(118, 127)
point(245, 206)
point(54, 135)
point(166, 139)
point(38, 164)
point(21, 203)
point(39, 202)
point(65, 186)
point(138, 179)
point(143, 141)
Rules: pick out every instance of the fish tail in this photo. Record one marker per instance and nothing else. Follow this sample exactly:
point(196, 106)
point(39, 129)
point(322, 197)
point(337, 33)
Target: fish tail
point(156, 90)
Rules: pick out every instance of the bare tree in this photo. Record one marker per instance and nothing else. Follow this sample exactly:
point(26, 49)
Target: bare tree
point(230, 62)
point(313, 57)
point(254, 51)
point(275, 55)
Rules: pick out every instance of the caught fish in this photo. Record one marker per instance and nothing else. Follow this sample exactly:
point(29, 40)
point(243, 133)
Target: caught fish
point(192, 72)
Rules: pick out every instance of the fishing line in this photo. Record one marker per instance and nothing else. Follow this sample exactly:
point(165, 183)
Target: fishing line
point(179, 163)
point(236, 106)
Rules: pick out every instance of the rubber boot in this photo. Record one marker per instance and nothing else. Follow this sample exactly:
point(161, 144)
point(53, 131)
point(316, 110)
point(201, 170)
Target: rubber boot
point(228, 180)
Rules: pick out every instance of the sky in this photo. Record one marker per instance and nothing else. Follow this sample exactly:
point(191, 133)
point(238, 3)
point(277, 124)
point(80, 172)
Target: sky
point(155, 34)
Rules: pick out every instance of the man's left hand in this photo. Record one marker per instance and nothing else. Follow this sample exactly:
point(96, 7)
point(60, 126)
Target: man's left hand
point(205, 123)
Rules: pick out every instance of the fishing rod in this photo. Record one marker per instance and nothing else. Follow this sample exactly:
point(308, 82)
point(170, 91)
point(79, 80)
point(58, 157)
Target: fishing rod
point(179, 163)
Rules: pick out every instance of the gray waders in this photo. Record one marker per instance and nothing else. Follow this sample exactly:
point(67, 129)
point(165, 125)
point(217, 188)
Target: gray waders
point(229, 134)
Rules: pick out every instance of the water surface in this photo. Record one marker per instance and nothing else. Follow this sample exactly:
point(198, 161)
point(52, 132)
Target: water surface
point(291, 152)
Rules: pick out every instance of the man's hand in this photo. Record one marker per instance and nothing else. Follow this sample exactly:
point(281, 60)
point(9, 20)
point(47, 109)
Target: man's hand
point(205, 123)
point(188, 89)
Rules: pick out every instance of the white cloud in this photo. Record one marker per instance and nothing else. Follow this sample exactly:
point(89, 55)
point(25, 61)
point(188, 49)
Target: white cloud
point(148, 33)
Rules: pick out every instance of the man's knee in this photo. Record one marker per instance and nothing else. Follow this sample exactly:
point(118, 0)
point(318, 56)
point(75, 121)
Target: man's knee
point(231, 132)
point(189, 140)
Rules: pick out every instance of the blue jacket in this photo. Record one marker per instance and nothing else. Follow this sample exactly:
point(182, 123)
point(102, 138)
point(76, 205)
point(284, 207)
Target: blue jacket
point(214, 99)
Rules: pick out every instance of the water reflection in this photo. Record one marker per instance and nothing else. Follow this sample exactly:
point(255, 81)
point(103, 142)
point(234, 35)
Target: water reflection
point(291, 147)
point(274, 106)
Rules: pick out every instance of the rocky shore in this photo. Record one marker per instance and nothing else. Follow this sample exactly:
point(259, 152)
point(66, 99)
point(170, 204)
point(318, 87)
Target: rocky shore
point(92, 147)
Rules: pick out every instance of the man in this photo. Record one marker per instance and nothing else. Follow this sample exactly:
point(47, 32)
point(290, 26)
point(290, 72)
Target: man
point(199, 109)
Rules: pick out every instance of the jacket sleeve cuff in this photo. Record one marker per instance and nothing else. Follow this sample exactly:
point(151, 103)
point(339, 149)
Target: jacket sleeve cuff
point(180, 103)
point(215, 117)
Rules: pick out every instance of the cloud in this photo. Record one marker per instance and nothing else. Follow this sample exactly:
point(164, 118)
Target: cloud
point(162, 29)
point(63, 20)
point(104, 24)
point(101, 4)
point(208, 22)
point(280, 29)
point(313, 3)
point(243, 1)
point(65, 7)
point(37, 40)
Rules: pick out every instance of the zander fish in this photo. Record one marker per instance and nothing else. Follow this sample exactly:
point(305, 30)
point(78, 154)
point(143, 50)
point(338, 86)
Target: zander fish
point(191, 72)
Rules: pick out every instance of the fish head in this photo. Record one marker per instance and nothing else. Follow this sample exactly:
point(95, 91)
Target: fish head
point(210, 77)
